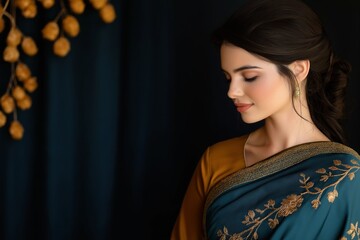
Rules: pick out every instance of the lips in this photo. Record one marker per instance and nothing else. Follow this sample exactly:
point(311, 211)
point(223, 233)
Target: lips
point(243, 107)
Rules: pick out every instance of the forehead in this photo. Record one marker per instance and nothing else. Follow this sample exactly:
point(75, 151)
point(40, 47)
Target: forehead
point(233, 57)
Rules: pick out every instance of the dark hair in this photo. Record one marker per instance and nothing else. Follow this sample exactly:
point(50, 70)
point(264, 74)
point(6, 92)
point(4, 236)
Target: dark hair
point(283, 31)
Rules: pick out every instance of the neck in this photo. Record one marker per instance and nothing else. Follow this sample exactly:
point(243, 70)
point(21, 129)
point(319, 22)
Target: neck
point(287, 129)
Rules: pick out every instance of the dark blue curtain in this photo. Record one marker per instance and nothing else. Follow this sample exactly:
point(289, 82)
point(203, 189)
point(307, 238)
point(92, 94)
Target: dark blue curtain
point(117, 127)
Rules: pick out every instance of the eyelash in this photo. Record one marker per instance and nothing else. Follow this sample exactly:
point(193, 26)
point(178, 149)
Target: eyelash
point(250, 79)
point(246, 79)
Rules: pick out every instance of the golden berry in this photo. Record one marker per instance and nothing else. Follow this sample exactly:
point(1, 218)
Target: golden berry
point(77, 6)
point(31, 84)
point(107, 13)
point(22, 71)
point(16, 130)
point(14, 37)
point(18, 93)
point(50, 31)
point(7, 103)
point(22, 4)
point(24, 103)
point(47, 3)
point(30, 11)
point(98, 4)
point(2, 119)
point(61, 47)
point(29, 46)
point(11, 54)
point(71, 26)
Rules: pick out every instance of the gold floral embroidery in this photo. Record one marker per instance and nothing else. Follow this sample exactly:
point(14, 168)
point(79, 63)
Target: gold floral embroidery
point(293, 202)
point(354, 231)
point(339, 170)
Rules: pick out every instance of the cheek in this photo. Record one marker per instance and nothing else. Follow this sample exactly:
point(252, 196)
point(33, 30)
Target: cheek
point(269, 89)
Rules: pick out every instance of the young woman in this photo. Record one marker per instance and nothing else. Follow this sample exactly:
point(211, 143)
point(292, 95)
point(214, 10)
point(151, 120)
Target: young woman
point(293, 178)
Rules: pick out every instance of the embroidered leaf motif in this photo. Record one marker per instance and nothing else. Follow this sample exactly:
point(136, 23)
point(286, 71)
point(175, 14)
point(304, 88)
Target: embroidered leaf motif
point(347, 166)
point(309, 185)
point(225, 230)
point(255, 236)
point(236, 237)
point(269, 204)
point(354, 162)
point(333, 168)
point(246, 221)
point(354, 230)
point(251, 214)
point(337, 162)
point(324, 178)
point(321, 171)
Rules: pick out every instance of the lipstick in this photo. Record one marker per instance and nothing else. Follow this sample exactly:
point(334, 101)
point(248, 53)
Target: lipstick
point(243, 107)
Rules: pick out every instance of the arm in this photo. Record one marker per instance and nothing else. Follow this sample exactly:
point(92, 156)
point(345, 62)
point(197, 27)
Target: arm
point(189, 221)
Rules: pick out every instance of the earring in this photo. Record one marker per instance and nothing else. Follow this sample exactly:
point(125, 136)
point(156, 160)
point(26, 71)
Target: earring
point(297, 92)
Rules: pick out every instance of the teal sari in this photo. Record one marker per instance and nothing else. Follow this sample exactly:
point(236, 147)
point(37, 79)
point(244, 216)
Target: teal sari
point(310, 191)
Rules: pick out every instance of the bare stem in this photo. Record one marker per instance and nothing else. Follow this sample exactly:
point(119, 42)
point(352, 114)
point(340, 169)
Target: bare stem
point(4, 8)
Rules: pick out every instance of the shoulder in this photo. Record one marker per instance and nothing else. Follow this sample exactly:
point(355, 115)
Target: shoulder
point(228, 148)
point(224, 158)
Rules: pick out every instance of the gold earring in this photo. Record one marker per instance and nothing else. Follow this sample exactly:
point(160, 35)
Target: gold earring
point(297, 92)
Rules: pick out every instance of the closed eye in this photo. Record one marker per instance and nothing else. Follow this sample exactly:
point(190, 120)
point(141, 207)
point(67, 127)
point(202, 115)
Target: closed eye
point(250, 79)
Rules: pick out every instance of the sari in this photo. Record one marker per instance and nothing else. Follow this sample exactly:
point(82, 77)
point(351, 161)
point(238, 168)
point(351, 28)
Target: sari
point(309, 191)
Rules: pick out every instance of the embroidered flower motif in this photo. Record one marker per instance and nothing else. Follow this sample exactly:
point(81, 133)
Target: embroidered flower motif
point(290, 205)
point(315, 203)
point(332, 195)
point(273, 223)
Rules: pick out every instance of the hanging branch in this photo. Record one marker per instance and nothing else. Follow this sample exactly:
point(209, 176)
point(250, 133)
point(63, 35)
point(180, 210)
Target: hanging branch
point(65, 25)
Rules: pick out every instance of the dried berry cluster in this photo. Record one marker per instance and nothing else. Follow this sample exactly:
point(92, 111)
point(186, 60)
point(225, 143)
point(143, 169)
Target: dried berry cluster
point(64, 25)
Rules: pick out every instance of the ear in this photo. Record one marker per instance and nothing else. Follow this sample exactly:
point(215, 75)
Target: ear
point(300, 68)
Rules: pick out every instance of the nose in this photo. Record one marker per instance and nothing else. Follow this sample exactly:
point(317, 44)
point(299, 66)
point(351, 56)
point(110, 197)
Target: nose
point(235, 90)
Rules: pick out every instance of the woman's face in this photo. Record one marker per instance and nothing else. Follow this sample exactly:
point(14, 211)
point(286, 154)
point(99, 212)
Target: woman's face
point(256, 87)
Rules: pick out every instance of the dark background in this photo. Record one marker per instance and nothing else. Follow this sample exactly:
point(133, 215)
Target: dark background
point(117, 127)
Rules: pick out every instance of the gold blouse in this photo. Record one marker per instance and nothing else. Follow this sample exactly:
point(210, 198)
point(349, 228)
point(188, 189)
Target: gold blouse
point(217, 162)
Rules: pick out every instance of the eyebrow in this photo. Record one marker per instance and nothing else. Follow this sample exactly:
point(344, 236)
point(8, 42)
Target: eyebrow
point(243, 68)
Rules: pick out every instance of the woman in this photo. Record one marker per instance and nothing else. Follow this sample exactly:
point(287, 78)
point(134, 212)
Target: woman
point(292, 178)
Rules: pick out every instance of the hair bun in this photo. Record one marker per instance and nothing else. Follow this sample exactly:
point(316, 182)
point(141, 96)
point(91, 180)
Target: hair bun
point(342, 66)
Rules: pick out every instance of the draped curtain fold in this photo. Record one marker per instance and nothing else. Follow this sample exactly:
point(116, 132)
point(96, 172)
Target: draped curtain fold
point(117, 127)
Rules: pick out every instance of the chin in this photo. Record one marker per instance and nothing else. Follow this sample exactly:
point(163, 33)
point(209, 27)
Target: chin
point(249, 120)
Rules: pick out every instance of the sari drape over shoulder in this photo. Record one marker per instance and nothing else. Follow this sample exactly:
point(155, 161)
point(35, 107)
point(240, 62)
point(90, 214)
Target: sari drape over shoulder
point(309, 191)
